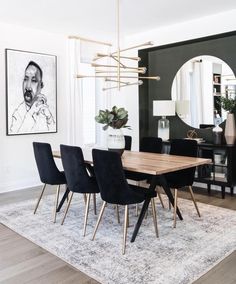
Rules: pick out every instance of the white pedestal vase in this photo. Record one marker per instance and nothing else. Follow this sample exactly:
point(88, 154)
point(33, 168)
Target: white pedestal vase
point(115, 140)
point(230, 131)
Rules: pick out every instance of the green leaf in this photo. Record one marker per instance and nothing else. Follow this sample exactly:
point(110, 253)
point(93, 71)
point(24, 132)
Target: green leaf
point(116, 118)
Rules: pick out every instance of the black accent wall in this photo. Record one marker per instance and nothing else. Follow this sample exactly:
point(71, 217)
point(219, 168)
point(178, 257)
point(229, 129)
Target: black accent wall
point(165, 61)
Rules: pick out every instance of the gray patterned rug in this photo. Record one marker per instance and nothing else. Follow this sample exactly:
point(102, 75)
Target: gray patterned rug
point(180, 255)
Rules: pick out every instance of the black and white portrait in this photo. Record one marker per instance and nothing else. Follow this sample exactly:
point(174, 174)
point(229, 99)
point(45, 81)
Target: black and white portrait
point(31, 92)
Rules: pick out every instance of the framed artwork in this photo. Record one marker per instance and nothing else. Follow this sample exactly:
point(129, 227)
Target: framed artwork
point(31, 92)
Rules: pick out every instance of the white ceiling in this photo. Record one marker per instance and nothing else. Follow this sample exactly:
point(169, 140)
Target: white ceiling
point(97, 18)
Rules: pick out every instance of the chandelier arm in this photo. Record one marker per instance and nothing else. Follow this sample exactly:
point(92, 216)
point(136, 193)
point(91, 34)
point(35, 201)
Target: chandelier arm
point(133, 47)
point(101, 55)
point(113, 76)
point(122, 71)
point(115, 81)
point(114, 66)
point(129, 84)
point(120, 63)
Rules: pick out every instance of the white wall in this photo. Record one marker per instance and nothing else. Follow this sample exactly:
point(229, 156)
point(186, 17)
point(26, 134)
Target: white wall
point(17, 165)
point(206, 26)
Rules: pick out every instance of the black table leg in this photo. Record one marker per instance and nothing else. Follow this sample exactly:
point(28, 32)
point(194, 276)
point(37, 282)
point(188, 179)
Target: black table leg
point(209, 188)
point(168, 192)
point(140, 219)
point(223, 192)
point(63, 199)
point(232, 191)
point(144, 209)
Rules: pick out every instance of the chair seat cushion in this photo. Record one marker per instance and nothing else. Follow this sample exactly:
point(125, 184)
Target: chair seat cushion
point(58, 178)
point(137, 195)
point(89, 186)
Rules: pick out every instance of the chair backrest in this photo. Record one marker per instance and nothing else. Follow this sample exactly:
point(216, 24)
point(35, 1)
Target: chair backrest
point(110, 176)
point(78, 179)
point(128, 142)
point(184, 147)
point(151, 144)
point(47, 168)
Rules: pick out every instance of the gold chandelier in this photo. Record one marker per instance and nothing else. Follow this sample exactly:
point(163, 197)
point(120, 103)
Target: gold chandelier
point(119, 74)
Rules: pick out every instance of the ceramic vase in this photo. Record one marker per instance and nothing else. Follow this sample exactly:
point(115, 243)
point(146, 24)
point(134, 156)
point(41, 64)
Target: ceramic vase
point(115, 140)
point(230, 131)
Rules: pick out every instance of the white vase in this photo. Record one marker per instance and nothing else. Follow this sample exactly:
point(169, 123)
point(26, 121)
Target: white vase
point(115, 140)
point(230, 131)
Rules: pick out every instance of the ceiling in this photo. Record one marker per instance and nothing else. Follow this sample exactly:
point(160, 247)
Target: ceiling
point(97, 18)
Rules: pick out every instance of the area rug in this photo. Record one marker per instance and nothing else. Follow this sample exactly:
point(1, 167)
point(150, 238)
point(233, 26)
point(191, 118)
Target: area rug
point(179, 255)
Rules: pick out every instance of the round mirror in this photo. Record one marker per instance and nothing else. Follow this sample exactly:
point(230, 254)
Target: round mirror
point(197, 88)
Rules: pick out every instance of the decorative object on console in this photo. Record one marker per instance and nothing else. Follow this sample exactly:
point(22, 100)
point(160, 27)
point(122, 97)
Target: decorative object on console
point(217, 133)
point(163, 108)
point(116, 119)
point(192, 134)
point(229, 104)
point(119, 71)
point(230, 132)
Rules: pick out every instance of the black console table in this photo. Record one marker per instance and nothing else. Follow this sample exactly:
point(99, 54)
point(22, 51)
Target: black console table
point(222, 171)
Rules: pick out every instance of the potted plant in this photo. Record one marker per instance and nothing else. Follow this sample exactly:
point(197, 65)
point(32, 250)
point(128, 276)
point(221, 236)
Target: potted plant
point(114, 119)
point(229, 105)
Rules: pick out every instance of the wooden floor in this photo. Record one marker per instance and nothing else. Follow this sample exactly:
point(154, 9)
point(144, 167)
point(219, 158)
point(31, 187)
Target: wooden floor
point(21, 261)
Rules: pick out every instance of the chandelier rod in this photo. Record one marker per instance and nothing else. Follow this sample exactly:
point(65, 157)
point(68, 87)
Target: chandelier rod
point(118, 43)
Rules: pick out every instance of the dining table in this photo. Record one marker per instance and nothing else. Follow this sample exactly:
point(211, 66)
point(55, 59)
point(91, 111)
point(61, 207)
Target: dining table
point(154, 164)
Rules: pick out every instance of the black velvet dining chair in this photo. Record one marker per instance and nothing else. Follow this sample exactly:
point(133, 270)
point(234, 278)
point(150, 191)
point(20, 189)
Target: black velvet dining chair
point(78, 178)
point(114, 188)
point(48, 171)
point(128, 142)
point(182, 178)
point(150, 145)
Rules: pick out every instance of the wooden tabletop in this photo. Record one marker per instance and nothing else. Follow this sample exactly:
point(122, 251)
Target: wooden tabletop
point(150, 163)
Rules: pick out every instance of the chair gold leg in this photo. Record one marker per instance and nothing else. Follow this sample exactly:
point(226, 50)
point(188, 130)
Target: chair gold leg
point(99, 219)
point(161, 200)
point(154, 215)
point(194, 201)
point(86, 212)
point(136, 213)
point(117, 213)
point(67, 197)
point(125, 229)
point(67, 208)
point(40, 197)
point(56, 204)
point(136, 210)
point(175, 206)
point(94, 204)
point(85, 198)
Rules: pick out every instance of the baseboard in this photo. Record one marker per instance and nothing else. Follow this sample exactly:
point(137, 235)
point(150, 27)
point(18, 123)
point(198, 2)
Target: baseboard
point(18, 185)
point(213, 187)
